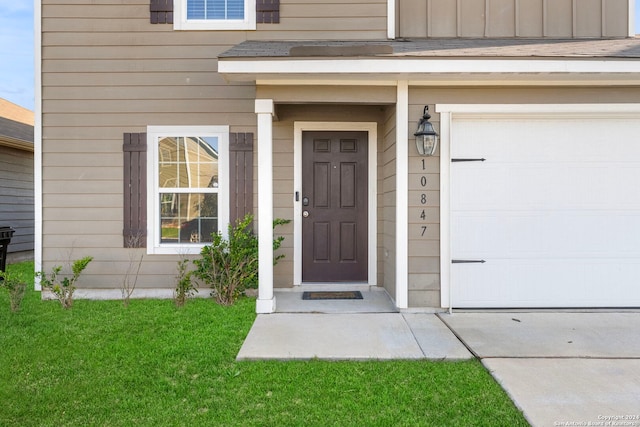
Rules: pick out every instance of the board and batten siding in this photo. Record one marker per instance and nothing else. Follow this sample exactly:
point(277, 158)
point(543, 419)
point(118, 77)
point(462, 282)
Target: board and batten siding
point(16, 200)
point(512, 18)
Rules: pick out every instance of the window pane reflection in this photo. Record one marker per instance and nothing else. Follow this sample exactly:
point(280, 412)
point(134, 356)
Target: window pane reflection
point(188, 162)
point(188, 218)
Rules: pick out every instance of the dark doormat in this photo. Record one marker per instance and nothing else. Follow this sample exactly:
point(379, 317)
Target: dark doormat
point(324, 295)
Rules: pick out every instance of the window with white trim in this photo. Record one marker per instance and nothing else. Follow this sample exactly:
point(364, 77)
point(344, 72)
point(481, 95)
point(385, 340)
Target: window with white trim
point(214, 15)
point(188, 197)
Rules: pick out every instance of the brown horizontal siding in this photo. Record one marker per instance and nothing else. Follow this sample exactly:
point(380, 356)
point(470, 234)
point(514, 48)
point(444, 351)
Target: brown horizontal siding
point(111, 53)
point(387, 172)
point(68, 213)
point(133, 106)
point(107, 71)
point(150, 92)
point(129, 65)
point(142, 80)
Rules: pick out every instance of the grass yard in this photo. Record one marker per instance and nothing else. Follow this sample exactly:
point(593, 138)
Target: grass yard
point(152, 364)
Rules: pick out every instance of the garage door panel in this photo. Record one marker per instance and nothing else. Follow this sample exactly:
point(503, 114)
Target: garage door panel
point(545, 140)
point(550, 235)
point(532, 284)
point(513, 186)
point(554, 210)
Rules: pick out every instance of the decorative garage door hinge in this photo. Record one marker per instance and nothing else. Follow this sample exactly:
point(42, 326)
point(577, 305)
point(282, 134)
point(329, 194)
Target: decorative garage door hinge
point(468, 160)
point(468, 261)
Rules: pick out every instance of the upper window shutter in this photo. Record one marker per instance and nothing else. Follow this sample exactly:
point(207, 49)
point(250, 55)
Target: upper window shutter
point(267, 11)
point(161, 11)
point(135, 190)
point(241, 175)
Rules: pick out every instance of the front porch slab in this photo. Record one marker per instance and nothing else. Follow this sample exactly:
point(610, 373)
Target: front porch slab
point(374, 301)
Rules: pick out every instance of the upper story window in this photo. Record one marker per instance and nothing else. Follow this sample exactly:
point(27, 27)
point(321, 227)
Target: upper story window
point(188, 195)
point(215, 15)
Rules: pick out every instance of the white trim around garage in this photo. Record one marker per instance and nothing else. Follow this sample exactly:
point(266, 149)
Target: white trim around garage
point(449, 112)
point(402, 196)
point(372, 129)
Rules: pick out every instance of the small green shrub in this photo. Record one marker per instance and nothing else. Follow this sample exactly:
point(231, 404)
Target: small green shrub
point(63, 288)
point(185, 287)
point(230, 266)
point(16, 287)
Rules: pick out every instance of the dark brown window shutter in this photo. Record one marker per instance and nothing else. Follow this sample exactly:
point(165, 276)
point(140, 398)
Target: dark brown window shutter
point(240, 175)
point(161, 11)
point(267, 11)
point(135, 190)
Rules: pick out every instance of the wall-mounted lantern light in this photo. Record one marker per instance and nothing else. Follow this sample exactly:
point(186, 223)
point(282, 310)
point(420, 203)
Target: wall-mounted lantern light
point(426, 136)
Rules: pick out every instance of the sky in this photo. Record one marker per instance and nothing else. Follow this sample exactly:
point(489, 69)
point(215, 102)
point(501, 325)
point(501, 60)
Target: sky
point(16, 51)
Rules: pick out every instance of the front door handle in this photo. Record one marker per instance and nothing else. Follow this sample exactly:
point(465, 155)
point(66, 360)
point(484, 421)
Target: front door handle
point(305, 214)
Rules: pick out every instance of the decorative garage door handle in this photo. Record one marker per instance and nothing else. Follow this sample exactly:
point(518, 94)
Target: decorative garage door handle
point(468, 261)
point(467, 160)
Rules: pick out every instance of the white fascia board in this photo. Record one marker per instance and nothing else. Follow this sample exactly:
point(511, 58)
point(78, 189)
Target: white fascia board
point(324, 82)
point(18, 144)
point(444, 81)
point(414, 66)
point(539, 109)
point(37, 141)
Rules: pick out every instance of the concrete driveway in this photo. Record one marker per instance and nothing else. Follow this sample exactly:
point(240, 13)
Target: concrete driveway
point(560, 369)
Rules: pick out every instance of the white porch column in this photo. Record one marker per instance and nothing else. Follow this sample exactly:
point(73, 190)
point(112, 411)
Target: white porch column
point(402, 195)
point(266, 301)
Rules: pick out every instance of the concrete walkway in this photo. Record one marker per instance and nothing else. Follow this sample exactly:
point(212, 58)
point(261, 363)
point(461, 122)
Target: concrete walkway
point(352, 336)
point(370, 328)
point(559, 368)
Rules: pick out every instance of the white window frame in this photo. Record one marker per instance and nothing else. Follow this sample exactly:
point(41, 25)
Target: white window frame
point(180, 21)
point(154, 133)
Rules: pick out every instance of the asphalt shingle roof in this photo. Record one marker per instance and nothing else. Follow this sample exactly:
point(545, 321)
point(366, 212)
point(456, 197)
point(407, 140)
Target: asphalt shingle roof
point(628, 48)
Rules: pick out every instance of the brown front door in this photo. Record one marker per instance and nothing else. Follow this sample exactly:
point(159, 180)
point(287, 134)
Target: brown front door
point(334, 205)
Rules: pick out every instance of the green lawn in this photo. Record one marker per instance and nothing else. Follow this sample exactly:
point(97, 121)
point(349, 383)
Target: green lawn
point(152, 364)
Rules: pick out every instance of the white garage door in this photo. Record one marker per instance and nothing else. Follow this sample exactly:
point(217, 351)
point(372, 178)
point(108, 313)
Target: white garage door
point(553, 211)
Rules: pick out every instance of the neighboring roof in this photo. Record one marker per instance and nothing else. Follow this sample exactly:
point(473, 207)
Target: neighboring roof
point(438, 61)
point(14, 112)
point(16, 126)
point(453, 48)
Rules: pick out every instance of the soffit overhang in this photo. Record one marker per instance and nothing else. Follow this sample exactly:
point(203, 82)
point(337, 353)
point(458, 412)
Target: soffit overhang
point(487, 62)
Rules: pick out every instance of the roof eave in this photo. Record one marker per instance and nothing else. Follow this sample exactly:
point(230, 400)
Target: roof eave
point(19, 144)
point(489, 71)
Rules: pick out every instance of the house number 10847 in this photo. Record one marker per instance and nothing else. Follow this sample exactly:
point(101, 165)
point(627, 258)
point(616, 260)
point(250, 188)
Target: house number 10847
point(423, 200)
